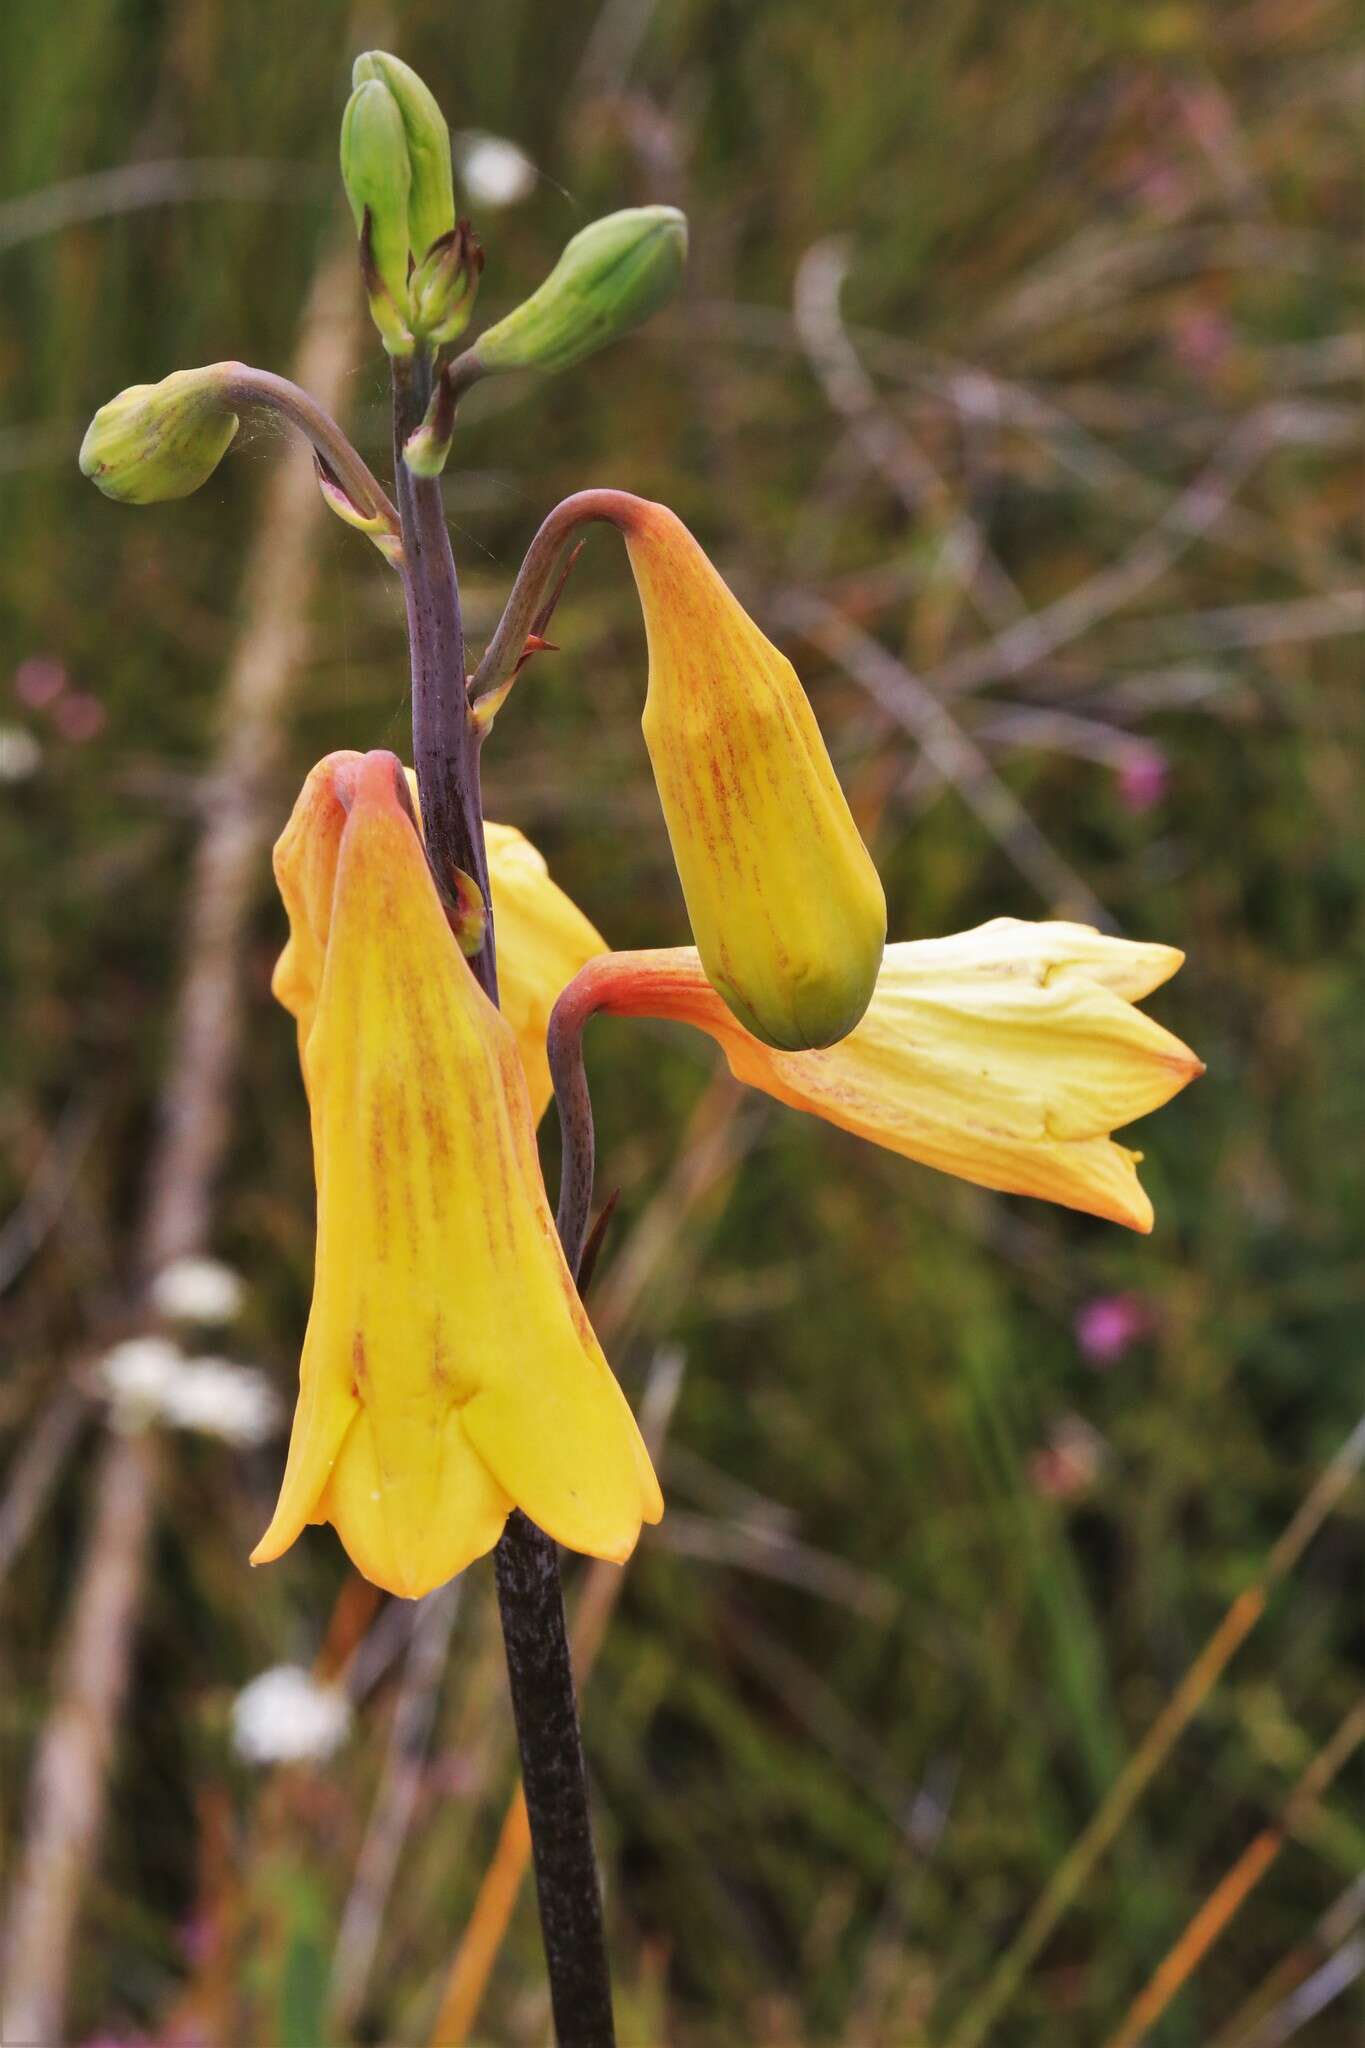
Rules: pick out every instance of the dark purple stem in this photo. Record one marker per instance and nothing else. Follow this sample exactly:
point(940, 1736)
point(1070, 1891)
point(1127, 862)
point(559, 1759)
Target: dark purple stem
point(536, 578)
point(446, 746)
point(445, 739)
point(578, 1146)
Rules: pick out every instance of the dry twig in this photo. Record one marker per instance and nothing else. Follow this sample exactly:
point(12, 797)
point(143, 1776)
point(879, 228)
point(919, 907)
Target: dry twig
point(954, 755)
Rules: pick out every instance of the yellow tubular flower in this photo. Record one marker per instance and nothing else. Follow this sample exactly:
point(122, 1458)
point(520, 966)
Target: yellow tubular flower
point(783, 899)
point(1004, 1055)
point(449, 1371)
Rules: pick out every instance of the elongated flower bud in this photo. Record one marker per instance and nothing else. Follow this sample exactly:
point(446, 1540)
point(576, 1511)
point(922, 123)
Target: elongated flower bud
point(1005, 1055)
point(158, 441)
point(784, 902)
point(377, 175)
point(611, 276)
point(431, 190)
point(449, 1371)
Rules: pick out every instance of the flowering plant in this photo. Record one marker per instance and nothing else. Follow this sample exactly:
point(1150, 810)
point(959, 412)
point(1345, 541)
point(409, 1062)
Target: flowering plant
point(453, 1396)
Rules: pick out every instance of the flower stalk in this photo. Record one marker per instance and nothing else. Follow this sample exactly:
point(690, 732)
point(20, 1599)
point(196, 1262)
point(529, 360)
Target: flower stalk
point(446, 749)
point(247, 385)
point(445, 739)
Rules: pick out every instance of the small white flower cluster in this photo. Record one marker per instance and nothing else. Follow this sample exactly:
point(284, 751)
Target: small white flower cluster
point(21, 755)
point(287, 1716)
point(198, 1291)
point(494, 172)
point(149, 1380)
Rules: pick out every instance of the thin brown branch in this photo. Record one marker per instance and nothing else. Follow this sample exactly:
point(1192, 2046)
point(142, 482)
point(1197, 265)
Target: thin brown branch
point(910, 700)
point(886, 443)
point(35, 1469)
point(1097, 1837)
point(166, 181)
point(1234, 1889)
point(395, 1804)
point(1191, 516)
point(1258, 2021)
point(771, 1554)
point(25, 1229)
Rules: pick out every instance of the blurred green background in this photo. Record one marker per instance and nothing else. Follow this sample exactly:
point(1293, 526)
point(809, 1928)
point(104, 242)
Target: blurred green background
point(958, 1485)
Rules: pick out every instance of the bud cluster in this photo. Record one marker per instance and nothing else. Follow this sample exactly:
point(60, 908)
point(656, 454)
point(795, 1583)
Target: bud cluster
point(421, 264)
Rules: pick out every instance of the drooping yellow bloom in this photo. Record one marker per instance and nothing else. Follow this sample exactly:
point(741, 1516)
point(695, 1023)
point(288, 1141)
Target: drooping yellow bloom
point(449, 1371)
point(784, 902)
point(1005, 1055)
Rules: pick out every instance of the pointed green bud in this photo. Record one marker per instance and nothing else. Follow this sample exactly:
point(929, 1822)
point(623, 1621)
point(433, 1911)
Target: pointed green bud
point(157, 441)
point(376, 526)
point(376, 173)
point(431, 194)
point(610, 277)
point(445, 284)
point(425, 451)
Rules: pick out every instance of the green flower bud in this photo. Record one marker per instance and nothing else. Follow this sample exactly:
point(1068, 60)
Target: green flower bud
point(445, 285)
point(610, 277)
point(377, 175)
point(431, 195)
point(157, 441)
point(426, 450)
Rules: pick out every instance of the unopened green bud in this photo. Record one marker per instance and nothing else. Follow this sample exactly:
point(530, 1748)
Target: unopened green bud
point(445, 285)
point(157, 441)
point(425, 451)
point(376, 173)
point(431, 194)
point(610, 277)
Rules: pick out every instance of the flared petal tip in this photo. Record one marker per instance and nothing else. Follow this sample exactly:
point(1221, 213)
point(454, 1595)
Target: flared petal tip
point(270, 1548)
point(1138, 1215)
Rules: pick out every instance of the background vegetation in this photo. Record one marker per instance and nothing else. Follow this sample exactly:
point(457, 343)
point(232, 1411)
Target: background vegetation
point(936, 1557)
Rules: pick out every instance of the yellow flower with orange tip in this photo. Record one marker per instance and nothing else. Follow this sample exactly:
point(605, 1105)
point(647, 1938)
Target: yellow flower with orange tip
point(785, 905)
point(1005, 1055)
point(449, 1372)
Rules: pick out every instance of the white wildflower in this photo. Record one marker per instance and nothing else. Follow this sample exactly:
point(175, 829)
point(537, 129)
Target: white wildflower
point(197, 1290)
point(20, 754)
point(494, 172)
point(287, 1716)
point(235, 1402)
point(149, 1379)
point(135, 1376)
